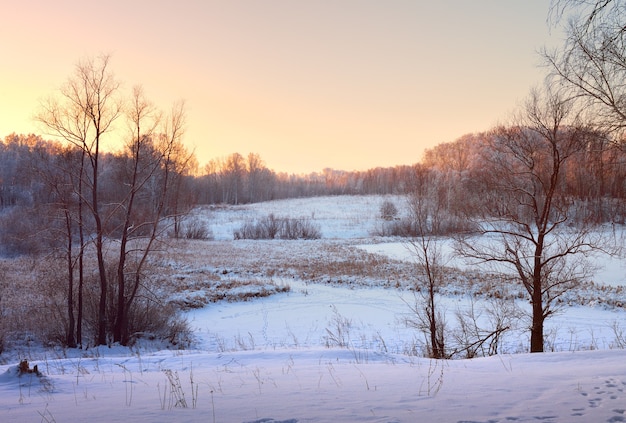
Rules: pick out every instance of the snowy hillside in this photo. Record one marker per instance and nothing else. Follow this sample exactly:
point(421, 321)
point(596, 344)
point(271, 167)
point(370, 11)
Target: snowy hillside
point(330, 348)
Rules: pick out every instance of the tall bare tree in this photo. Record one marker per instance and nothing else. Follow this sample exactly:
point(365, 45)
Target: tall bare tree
point(182, 164)
point(142, 163)
point(525, 212)
point(153, 162)
point(426, 316)
point(82, 115)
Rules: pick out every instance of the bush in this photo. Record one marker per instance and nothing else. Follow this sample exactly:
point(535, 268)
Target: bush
point(151, 320)
point(195, 229)
point(445, 225)
point(299, 229)
point(272, 227)
point(150, 316)
point(388, 210)
point(251, 230)
point(401, 227)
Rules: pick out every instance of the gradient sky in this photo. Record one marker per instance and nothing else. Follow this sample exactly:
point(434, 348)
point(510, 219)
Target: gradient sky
point(346, 84)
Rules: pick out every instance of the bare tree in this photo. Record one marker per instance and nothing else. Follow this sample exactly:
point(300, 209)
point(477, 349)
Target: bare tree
point(182, 164)
point(234, 172)
point(142, 164)
point(155, 159)
point(82, 115)
point(474, 338)
point(591, 65)
point(256, 171)
point(213, 181)
point(428, 256)
point(58, 177)
point(525, 212)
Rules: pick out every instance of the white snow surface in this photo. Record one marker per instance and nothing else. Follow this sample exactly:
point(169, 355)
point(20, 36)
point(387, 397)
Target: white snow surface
point(271, 360)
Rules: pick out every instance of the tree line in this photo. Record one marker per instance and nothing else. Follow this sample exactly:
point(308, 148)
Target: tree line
point(595, 174)
point(238, 179)
point(234, 179)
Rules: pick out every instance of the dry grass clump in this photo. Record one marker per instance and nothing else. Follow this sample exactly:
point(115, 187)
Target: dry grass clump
point(198, 293)
point(246, 289)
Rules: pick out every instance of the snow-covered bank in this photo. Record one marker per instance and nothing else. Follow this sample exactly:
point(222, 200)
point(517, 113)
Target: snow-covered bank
point(320, 385)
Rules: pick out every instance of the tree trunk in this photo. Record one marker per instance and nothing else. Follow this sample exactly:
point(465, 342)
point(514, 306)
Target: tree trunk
point(70, 339)
point(102, 305)
point(120, 330)
point(536, 330)
point(120, 318)
point(81, 237)
point(79, 317)
point(432, 316)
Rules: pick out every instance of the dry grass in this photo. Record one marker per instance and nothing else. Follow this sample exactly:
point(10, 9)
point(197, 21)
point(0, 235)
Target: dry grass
point(319, 261)
point(33, 303)
point(338, 262)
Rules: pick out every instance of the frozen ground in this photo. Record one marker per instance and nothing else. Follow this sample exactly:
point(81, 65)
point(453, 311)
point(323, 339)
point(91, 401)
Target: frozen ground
point(328, 353)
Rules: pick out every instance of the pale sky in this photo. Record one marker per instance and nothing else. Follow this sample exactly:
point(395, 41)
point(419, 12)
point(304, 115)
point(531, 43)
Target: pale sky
point(346, 84)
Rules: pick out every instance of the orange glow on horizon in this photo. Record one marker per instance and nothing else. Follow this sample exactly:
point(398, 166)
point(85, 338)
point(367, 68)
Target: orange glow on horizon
point(307, 85)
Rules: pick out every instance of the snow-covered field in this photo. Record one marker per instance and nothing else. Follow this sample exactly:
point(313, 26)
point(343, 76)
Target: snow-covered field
point(326, 352)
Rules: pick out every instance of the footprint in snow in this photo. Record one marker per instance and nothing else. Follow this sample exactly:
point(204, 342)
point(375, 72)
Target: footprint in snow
point(611, 390)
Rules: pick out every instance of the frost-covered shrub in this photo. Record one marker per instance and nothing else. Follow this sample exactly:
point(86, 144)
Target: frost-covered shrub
point(164, 322)
point(251, 230)
point(443, 225)
point(299, 229)
point(272, 227)
point(150, 315)
point(597, 211)
point(196, 229)
point(388, 210)
point(450, 224)
point(402, 227)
